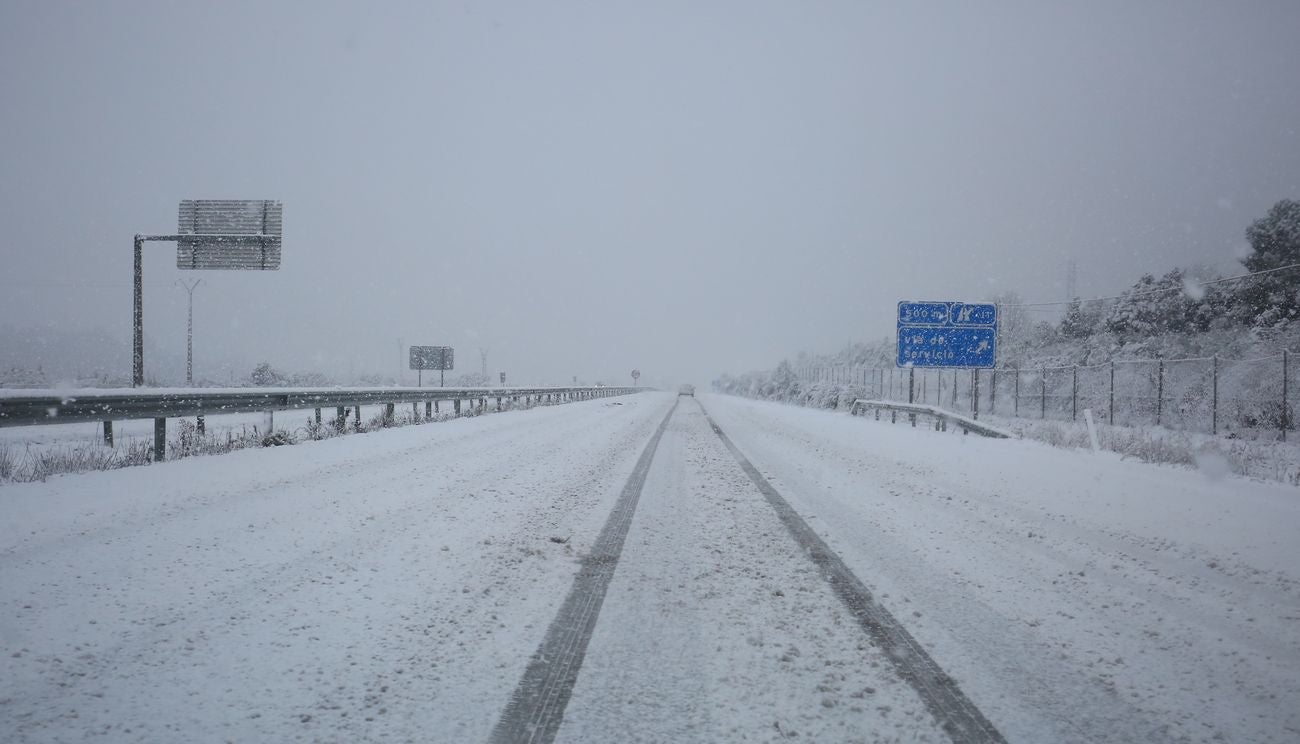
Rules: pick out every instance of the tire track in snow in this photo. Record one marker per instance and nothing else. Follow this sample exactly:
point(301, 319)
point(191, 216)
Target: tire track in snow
point(960, 719)
point(536, 707)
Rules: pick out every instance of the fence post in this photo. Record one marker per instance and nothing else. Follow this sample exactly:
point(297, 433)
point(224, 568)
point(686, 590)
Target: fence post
point(1017, 392)
point(993, 391)
point(1214, 402)
point(911, 391)
point(1160, 390)
point(1043, 384)
point(975, 393)
point(1111, 420)
point(1074, 393)
point(1286, 414)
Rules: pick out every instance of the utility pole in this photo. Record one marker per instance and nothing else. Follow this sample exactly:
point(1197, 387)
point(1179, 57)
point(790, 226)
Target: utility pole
point(189, 332)
point(482, 357)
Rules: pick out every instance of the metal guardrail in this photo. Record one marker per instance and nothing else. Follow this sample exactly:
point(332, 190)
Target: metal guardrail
point(81, 406)
point(941, 417)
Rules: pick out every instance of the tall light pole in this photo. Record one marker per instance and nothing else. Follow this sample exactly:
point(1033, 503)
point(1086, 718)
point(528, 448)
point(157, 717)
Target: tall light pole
point(189, 332)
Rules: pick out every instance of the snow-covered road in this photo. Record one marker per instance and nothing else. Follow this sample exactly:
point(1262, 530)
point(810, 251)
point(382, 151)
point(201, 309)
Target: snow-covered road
point(394, 586)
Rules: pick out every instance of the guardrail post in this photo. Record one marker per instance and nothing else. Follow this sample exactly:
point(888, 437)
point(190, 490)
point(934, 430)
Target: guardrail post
point(455, 407)
point(1160, 390)
point(415, 411)
point(318, 417)
point(340, 418)
point(159, 439)
point(388, 414)
point(428, 414)
point(357, 411)
point(1214, 403)
point(200, 424)
point(108, 430)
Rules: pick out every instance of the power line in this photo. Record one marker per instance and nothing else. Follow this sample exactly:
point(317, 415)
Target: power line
point(1153, 291)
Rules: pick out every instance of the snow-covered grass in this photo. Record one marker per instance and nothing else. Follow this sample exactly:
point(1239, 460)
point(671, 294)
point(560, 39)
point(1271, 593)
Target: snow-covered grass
point(1267, 460)
point(1275, 461)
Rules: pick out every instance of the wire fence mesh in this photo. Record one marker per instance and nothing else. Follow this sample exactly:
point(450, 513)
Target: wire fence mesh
point(1245, 398)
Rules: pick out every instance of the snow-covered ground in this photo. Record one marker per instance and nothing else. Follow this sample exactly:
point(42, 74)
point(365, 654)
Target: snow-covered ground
point(394, 586)
point(1076, 597)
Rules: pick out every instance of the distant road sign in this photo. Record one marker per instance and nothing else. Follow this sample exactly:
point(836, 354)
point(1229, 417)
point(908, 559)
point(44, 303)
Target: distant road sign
point(229, 234)
point(636, 374)
point(433, 357)
point(947, 334)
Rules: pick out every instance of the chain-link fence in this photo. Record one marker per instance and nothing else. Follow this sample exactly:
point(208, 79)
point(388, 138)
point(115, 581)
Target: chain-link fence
point(1248, 398)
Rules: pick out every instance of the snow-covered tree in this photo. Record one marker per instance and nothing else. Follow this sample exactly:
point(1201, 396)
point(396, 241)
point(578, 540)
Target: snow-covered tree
point(264, 375)
point(1080, 320)
point(1273, 299)
point(1174, 303)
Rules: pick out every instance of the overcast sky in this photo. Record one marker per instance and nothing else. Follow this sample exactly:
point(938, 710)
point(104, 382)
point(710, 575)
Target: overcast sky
point(583, 188)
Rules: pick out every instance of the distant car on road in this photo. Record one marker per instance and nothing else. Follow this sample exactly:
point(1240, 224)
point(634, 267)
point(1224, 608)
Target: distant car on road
point(686, 390)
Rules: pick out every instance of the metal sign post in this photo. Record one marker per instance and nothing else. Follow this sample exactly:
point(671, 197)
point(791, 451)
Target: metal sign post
point(189, 331)
point(224, 234)
point(947, 334)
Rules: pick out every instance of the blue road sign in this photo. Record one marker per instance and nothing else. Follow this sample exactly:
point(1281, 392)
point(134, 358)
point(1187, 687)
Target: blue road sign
point(947, 334)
